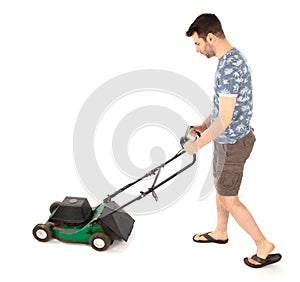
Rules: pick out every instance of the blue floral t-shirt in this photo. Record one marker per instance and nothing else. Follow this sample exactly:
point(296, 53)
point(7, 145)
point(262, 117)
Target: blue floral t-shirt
point(233, 79)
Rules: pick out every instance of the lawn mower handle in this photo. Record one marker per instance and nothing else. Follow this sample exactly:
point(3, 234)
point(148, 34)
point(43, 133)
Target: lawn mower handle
point(154, 186)
point(156, 171)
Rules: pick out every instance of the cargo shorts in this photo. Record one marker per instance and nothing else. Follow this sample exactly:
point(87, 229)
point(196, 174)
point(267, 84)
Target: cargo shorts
point(228, 164)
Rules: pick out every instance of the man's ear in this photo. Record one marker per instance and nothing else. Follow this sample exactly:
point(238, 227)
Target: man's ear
point(210, 38)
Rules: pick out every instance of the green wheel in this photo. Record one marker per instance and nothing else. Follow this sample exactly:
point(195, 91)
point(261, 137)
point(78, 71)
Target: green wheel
point(100, 241)
point(42, 232)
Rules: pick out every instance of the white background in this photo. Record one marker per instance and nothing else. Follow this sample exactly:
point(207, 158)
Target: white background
point(54, 54)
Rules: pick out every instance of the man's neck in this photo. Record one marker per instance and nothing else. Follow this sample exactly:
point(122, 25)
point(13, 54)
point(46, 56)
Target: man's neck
point(223, 47)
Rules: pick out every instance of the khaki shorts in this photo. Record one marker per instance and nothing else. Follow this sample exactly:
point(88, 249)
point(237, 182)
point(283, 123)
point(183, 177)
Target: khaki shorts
point(228, 164)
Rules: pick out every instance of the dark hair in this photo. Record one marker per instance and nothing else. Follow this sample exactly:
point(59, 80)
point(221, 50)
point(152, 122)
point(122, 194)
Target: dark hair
point(205, 24)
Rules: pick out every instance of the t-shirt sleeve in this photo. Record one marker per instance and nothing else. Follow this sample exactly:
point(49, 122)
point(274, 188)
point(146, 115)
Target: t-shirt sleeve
point(230, 81)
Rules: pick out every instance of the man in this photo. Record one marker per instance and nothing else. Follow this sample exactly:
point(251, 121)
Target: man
point(229, 128)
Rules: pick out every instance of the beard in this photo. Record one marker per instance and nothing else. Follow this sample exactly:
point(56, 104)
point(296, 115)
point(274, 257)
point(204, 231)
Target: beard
point(208, 51)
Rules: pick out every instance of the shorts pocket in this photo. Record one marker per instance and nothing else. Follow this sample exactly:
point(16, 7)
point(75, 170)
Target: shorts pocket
point(229, 182)
point(248, 145)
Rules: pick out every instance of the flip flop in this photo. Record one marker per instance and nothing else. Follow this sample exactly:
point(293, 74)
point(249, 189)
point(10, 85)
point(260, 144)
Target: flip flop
point(272, 258)
point(209, 239)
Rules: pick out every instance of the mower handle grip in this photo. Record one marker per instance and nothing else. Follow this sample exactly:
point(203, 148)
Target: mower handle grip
point(188, 137)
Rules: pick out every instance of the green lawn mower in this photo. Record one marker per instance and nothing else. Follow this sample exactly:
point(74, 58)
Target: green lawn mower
point(74, 220)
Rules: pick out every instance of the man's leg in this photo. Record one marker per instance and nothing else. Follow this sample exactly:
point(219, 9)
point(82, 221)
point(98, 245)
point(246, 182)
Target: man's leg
point(220, 232)
point(244, 218)
point(222, 218)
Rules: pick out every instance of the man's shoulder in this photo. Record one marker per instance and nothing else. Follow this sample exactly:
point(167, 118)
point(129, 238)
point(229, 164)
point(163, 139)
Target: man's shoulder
point(234, 58)
point(233, 62)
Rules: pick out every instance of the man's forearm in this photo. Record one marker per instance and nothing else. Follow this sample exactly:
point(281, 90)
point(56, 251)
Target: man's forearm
point(212, 132)
point(206, 123)
point(223, 120)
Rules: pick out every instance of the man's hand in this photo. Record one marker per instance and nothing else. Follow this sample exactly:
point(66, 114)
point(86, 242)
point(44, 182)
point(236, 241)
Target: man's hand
point(196, 129)
point(191, 147)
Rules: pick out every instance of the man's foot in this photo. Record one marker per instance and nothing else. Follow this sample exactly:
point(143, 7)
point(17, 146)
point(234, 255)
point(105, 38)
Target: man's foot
point(263, 251)
point(260, 262)
point(210, 237)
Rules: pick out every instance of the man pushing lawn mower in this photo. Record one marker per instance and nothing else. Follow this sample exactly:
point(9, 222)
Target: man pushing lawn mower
point(229, 128)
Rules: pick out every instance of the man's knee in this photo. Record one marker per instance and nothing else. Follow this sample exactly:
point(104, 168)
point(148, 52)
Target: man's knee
point(227, 202)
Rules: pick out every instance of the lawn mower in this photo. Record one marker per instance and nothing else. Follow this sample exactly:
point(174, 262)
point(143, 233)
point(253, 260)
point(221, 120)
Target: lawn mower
point(74, 220)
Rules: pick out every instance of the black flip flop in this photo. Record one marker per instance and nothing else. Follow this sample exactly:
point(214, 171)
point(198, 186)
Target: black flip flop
point(209, 239)
point(272, 258)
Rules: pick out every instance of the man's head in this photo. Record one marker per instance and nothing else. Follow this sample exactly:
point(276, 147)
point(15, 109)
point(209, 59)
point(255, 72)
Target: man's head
point(206, 31)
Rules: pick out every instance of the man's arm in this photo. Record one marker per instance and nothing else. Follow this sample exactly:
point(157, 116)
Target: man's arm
point(223, 120)
point(226, 110)
point(206, 124)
